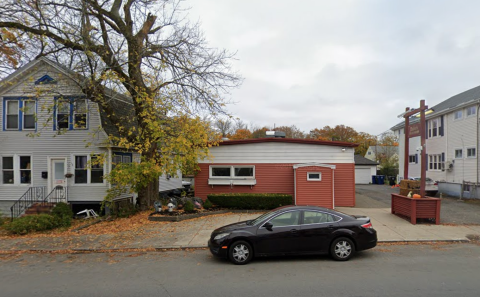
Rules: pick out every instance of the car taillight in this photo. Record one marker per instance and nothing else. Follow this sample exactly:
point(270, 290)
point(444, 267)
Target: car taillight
point(367, 225)
point(435, 184)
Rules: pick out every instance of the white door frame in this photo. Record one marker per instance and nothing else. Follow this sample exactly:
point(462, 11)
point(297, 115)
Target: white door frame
point(51, 173)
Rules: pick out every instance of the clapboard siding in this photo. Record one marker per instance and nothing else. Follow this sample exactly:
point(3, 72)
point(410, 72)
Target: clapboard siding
point(271, 178)
point(171, 183)
point(344, 189)
point(317, 193)
point(462, 134)
point(279, 178)
point(280, 153)
point(50, 144)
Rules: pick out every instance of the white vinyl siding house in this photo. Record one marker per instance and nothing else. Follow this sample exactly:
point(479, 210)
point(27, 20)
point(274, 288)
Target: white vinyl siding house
point(451, 146)
point(65, 121)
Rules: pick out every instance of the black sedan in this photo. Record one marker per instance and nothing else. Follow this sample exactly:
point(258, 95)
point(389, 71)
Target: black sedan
point(292, 230)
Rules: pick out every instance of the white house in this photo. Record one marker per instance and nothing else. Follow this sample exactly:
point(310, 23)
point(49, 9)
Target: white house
point(46, 124)
point(452, 137)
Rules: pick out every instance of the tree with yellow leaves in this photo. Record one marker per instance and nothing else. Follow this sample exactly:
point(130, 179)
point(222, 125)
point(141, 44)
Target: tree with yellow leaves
point(147, 51)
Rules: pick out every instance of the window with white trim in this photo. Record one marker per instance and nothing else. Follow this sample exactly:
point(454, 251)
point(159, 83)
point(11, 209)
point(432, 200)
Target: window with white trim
point(63, 114)
point(80, 114)
point(314, 176)
point(458, 115)
point(412, 159)
point(471, 152)
point(434, 127)
point(435, 162)
point(458, 153)
point(17, 169)
point(28, 111)
point(121, 158)
point(471, 111)
point(71, 114)
point(236, 171)
point(19, 114)
point(8, 176)
point(12, 117)
point(88, 170)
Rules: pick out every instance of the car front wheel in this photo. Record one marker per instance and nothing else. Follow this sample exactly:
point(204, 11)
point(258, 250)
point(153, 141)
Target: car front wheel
point(241, 252)
point(342, 249)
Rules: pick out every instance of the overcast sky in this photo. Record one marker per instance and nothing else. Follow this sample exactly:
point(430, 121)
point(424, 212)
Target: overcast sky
point(313, 63)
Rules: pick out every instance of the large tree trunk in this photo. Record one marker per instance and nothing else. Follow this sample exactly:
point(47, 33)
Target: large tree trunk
point(148, 195)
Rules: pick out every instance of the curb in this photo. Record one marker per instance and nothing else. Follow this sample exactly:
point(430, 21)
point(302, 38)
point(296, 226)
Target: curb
point(184, 248)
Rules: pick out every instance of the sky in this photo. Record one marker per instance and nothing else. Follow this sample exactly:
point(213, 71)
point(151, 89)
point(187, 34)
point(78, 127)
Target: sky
point(360, 63)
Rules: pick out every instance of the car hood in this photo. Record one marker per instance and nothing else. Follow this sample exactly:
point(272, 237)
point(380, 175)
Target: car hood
point(232, 227)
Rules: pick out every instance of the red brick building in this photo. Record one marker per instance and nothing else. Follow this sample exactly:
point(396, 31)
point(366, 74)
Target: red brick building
point(314, 172)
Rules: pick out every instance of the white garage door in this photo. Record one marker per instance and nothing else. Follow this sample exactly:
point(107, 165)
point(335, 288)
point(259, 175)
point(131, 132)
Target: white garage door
point(363, 176)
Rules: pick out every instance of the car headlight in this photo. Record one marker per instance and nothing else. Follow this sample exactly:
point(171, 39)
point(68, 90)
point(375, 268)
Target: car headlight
point(221, 236)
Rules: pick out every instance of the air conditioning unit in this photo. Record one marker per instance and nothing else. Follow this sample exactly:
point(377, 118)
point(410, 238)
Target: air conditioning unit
point(449, 165)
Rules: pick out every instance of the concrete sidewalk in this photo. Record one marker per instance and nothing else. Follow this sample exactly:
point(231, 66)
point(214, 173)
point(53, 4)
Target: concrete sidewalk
point(391, 228)
point(195, 234)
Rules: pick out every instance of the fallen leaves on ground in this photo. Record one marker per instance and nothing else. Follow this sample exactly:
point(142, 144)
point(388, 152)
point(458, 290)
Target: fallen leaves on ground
point(105, 227)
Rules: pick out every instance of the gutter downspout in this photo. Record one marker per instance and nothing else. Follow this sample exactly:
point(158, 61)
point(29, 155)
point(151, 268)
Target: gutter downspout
point(333, 188)
point(294, 186)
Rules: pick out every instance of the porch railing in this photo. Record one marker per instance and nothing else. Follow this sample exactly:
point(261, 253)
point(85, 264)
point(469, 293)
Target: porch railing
point(31, 196)
point(58, 194)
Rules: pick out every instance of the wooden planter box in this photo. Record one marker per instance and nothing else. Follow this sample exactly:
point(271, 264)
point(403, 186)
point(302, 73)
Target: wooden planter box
point(416, 208)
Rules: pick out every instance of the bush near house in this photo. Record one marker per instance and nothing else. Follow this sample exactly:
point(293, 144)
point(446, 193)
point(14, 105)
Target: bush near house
point(250, 200)
point(31, 223)
point(207, 204)
point(63, 213)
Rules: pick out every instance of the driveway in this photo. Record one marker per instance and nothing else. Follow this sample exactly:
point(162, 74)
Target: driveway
point(453, 210)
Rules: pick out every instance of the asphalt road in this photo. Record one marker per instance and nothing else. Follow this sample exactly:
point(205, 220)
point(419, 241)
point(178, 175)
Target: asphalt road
point(401, 270)
point(452, 211)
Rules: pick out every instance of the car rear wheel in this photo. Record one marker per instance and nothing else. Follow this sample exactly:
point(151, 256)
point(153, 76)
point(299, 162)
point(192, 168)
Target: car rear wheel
point(342, 249)
point(240, 253)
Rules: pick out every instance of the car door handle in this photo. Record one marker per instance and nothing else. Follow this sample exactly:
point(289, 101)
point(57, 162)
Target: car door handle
point(293, 231)
point(330, 226)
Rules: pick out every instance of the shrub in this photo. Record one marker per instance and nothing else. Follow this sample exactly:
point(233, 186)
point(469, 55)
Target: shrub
point(63, 213)
point(31, 223)
point(2, 219)
point(188, 206)
point(207, 204)
point(250, 200)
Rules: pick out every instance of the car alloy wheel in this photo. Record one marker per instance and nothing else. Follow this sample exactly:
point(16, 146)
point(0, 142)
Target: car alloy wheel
point(342, 249)
point(240, 252)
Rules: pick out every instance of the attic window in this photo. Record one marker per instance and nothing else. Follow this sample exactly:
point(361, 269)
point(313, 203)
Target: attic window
point(45, 80)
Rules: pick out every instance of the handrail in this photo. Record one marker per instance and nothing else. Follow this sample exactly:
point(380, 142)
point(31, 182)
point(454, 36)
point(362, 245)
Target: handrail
point(31, 196)
point(58, 194)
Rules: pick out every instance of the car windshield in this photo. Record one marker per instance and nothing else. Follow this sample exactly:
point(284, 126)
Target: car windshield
point(261, 218)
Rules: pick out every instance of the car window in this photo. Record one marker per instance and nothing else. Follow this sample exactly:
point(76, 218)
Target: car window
point(315, 217)
point(290, 218)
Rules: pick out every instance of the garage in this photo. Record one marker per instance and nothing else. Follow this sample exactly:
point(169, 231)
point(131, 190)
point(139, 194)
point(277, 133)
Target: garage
point(364, 169)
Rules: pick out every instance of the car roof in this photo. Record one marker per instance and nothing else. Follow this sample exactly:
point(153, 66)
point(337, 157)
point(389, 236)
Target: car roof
point(309, 207)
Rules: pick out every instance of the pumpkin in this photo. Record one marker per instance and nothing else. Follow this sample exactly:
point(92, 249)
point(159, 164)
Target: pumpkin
point(416, 196)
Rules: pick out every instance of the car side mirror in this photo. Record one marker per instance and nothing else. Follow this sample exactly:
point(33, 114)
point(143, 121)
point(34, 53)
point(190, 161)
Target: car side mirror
point(268, 226)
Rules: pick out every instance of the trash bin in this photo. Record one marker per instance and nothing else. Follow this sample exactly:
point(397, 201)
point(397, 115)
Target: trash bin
point(381, 179)
point(391, 179)
point(374, 179)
